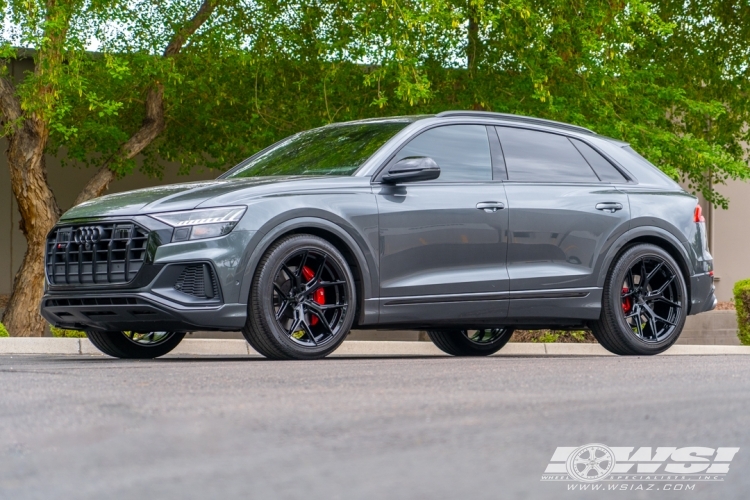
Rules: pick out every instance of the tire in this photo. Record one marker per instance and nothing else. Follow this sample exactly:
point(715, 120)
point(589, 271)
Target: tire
point(127, 345)
point(470, 342)
point(642, 317)
point(302, 300)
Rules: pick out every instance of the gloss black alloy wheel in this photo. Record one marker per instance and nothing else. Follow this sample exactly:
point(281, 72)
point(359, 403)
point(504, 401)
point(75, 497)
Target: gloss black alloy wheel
point(644, 303)
point(471, 342)
point(303, 300)
point(135, 345)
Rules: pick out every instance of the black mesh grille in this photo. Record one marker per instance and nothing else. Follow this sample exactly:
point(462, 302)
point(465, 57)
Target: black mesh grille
point(93, 254)
point(198, 280)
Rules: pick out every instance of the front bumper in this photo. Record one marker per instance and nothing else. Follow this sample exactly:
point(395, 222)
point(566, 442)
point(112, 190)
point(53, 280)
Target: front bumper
point(156, 300)
point(140, 312)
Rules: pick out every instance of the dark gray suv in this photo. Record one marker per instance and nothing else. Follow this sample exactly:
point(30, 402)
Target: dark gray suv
point(464, 224)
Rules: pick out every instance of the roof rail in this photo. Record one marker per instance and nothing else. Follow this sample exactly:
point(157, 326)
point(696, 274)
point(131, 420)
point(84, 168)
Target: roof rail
point(518, 118)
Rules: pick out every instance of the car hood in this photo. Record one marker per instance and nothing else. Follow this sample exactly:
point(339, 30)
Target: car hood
point(185, 196)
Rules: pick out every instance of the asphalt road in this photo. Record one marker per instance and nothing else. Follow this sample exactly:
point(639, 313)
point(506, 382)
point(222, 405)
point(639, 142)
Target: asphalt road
point(424, 428)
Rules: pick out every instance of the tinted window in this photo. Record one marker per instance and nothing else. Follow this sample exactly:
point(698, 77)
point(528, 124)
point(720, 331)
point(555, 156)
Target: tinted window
point(603, 168)
point(461, 151)
point(534, 156)
point(332, 150)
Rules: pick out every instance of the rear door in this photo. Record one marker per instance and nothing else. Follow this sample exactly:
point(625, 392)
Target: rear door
point(565, 210)
point(443, 242)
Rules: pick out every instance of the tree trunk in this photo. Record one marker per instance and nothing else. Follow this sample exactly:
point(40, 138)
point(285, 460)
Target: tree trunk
point(473, 47)
point(39, 213)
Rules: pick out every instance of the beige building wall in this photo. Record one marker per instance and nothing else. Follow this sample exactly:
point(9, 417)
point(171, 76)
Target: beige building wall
point(729, 238)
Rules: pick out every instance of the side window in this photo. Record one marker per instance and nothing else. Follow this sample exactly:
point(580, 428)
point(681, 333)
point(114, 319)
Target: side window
point(603, 168)
point(534, 156)
point(461, 151)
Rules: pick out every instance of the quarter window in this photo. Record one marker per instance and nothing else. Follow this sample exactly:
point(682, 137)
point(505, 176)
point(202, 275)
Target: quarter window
point(461, 151)
point(534, 156)
point(603, 168)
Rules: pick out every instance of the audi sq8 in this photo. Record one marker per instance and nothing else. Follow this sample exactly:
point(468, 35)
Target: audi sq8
point(465, 224)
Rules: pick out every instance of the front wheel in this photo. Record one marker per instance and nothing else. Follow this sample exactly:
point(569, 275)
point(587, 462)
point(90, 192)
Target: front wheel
point(644, 304)
point(471, 342)
point(132, 345)
point(302, 301)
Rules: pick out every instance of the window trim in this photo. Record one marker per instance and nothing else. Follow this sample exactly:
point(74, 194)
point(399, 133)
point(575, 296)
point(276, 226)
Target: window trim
point(625, 179)
point(499, 167)
point(381, 171)
point(629, 179)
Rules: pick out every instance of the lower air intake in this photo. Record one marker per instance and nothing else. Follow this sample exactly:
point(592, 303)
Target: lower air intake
point(199, 281)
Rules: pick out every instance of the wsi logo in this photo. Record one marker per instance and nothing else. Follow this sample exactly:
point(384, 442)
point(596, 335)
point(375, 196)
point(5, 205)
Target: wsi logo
point(597, 462)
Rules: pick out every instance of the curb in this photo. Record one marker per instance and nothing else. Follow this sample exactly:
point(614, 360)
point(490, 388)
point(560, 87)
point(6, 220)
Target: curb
point(352, 348)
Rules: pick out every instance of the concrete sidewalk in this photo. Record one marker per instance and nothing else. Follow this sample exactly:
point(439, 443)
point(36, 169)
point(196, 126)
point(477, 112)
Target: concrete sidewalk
point(352, 348)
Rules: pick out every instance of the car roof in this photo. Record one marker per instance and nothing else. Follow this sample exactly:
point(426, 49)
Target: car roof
point(500, 117)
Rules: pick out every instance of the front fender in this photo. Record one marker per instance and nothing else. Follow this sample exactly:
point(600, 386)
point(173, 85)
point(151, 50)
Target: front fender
point(274, 229)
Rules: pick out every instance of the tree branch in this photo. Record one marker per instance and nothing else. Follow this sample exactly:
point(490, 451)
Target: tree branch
point(200, 17)
point(153, 123)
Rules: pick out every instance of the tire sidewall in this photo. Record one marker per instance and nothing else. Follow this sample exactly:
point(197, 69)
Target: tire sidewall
point(485, 348)
point(265, 278)
point(116, 344)
point(615, 298)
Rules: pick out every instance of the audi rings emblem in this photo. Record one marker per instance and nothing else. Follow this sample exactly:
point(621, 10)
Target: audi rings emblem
point(88, 235)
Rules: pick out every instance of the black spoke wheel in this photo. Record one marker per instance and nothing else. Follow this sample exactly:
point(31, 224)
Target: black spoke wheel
point(135, 345)
point(644, 304)
point(471, 342)
point(302, 301)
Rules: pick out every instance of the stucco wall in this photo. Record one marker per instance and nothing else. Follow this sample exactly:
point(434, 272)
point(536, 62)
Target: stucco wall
point(731, 238)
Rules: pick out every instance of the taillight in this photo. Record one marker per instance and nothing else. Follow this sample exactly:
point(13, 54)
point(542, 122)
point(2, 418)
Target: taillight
point(698, 214)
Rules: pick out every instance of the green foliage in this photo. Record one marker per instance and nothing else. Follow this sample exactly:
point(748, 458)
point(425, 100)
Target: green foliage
point(742, 305)
point(3, 331)
point(655, 74)
point(549, 336)
point(61, 332)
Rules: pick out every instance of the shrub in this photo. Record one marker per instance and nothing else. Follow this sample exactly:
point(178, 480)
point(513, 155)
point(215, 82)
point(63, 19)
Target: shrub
point(61, 332)
point(549, 336)
point(3, 331)
point(742, 305)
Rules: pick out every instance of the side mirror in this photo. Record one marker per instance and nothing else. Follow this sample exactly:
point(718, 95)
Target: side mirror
point(412, 169)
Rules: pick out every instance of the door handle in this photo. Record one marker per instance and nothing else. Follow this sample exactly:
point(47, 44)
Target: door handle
point(490, 206)
point(609, 206)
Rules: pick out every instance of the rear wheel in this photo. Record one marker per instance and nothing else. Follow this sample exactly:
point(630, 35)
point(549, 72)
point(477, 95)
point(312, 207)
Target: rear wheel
point(302, 301)
point(132, 345)
point(644, 304)
point(471, 342)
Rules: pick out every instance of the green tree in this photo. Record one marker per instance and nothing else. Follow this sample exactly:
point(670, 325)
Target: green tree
point(36, 109)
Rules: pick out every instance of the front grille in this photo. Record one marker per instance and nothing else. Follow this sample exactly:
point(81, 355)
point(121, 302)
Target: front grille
point(198, 280)
point(91, 254)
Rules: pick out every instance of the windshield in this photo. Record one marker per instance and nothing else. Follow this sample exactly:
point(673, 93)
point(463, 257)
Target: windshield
point(331, 150)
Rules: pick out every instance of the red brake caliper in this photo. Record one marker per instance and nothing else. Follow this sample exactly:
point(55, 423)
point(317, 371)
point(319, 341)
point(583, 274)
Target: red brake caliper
point(319, 295)
point(627, 302)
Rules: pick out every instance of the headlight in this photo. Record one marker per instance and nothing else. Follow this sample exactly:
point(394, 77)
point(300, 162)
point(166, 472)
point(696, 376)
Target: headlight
point(202, 223)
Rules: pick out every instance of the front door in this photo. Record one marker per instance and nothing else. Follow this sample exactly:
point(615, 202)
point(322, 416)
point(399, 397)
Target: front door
point(443, 242)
